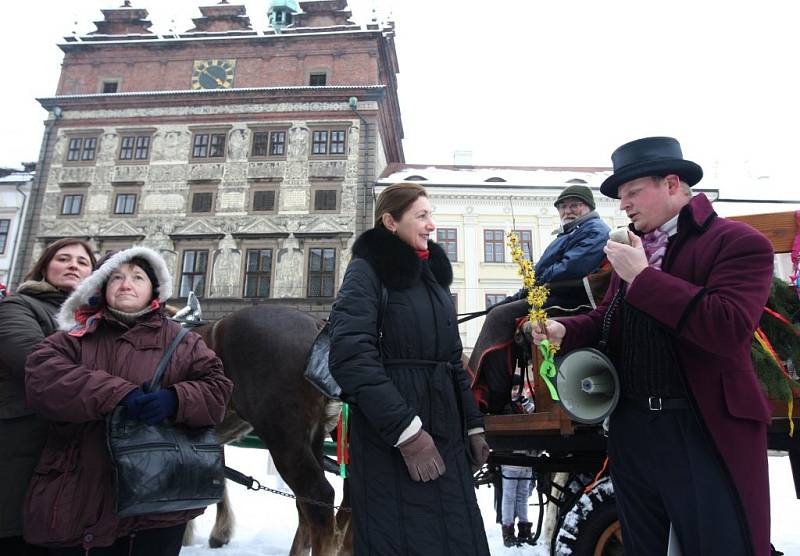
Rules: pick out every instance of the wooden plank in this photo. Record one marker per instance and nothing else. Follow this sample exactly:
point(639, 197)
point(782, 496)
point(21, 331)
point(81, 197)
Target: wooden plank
point(545, 422)
point(779, 227)
point(780, 410)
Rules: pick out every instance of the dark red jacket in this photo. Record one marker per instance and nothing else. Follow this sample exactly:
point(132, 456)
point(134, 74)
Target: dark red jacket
point(77, 382)
point(711, 293)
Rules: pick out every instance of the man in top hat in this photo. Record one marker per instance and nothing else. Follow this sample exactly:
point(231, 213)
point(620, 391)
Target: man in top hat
point(687, 442)
point(576, 252)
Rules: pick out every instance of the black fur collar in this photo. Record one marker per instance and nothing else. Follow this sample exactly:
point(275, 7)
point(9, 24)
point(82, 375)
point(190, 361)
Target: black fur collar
point(395, 261)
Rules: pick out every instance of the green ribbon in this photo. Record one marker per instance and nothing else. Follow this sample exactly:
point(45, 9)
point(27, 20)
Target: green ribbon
point(548, 368)
point(342, 444)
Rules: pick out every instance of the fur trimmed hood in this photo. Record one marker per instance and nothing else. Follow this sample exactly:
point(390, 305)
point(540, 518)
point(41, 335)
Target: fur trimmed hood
point(396, 262)
point(88, 293)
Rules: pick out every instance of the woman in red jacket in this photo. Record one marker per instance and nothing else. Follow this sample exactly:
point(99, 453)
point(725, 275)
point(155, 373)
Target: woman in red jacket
point(113, 334)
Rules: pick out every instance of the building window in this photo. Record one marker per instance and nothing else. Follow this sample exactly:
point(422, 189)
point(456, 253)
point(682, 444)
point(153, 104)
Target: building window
point(134, 147)
point(202, 201)
point(494, 298)
point(81, 149)
point(269, 143)
point(258, 271)
point(110, 87)
point(454, 299)
point(326, 199)
point(494, 250)
point(321, 270)
point(193, 272)
point(327, 142)
point(5, 224)
point(71, 204)
point(525, 242)
point(208, 145)
point(264, 200)
point(446, 237)
point(318, 79)
point(125, 203)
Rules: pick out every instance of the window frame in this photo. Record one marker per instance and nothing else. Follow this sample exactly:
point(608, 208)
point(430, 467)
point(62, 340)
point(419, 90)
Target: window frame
point(118, 194)
point(181, 262)
point(211, 134)
point(72, 193)
point(329, 131)
point(270, 144)
point(270, 275)
point(333, 273)
point(446, 243)
point(262, 188)
point(4, 234)
point(82, 149)
point(202, 189)
point(336, 188)
point(135, 147)
point(494, 242)
point(523, 241)
point(316, 74)
point(498, 297)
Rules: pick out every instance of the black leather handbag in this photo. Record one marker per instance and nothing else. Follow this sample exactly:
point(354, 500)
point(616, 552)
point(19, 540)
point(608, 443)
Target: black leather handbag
point(167, 467)
point(317, 371)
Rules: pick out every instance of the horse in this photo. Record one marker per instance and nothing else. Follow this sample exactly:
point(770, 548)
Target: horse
point(263, 349)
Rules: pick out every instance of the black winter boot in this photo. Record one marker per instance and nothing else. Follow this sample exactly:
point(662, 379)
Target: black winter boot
point(508, 535)
point(524, 535)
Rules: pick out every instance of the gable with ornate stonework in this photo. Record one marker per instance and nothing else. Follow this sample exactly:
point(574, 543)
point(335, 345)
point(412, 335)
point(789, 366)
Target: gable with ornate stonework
point(120, 229)
point(262, 226)
point(198, 228)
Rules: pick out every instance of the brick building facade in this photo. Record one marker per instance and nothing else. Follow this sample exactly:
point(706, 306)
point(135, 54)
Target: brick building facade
point(247, 158)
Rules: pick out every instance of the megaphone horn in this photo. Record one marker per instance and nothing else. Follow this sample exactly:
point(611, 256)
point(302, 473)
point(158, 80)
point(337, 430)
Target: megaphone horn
point(588, 385)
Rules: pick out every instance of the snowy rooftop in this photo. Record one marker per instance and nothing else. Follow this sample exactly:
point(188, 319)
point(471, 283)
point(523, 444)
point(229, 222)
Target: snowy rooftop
point(494, 176)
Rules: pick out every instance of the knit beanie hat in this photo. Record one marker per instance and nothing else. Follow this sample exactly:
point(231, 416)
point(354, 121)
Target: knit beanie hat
point(579, 192)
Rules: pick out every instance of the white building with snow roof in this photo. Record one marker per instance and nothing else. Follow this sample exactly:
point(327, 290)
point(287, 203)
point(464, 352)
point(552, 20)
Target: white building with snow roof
point(15, 189)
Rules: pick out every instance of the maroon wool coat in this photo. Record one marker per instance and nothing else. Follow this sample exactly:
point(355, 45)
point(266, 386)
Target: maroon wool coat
point(77, 382)
point(711, 293)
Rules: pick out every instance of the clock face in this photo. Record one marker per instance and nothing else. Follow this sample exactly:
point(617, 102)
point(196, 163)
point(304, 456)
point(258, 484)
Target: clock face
point(213, 74)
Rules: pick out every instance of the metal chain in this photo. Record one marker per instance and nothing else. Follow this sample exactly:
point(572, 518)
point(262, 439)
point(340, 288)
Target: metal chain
point(258, 486)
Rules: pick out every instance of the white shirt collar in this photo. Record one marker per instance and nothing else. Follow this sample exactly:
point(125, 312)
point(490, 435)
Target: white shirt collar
point(670, 226)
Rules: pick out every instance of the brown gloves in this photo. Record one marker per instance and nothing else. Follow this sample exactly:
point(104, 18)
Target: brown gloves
point(479, 450)
point(422, 458)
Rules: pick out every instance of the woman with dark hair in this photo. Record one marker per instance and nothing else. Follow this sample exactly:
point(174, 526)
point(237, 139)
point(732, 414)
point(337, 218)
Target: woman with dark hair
point(27, 317)
point(396, 353)
point(113, 332)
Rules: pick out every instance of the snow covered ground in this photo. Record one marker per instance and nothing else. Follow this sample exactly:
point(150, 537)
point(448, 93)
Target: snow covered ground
point(265, 522)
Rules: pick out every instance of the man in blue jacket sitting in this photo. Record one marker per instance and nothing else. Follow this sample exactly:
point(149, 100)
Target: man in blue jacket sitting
point(575, 253)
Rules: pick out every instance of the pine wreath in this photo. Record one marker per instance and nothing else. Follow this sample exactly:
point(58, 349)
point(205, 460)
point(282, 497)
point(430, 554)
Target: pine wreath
point(779, 384)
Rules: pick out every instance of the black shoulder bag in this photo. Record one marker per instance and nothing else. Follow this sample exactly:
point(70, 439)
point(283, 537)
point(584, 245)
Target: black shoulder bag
point(317, 371)
point(167, 467)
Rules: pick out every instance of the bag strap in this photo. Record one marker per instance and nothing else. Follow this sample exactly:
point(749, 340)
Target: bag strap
point(155, 382)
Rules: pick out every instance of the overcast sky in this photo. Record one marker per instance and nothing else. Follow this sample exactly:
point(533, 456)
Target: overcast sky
point(523, 82)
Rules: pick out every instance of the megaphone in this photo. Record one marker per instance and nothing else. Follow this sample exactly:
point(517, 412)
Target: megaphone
point(588, 385)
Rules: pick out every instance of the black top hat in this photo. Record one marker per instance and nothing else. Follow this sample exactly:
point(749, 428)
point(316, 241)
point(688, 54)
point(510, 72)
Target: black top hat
point(651, 156)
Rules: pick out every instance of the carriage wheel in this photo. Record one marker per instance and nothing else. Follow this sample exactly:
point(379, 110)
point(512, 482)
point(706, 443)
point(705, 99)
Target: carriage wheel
point(591, 527)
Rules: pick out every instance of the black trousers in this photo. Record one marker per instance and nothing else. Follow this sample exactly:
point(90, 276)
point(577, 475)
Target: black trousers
point(150, 542)
point(16, 546)
point(665, 471)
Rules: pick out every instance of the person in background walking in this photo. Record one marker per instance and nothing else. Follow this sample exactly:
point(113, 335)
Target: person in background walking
point(517, 481)
point(26, 318)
